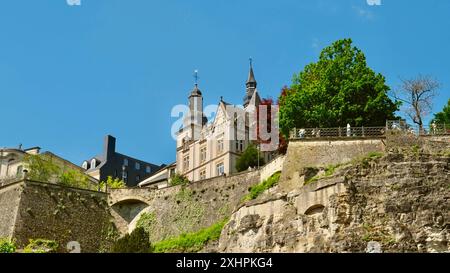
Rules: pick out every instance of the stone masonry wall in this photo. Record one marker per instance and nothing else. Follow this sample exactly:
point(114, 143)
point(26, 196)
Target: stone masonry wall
point(9, 203)
point(306, 153)
point(397, 203)
point(180, 209)
point(63, 214)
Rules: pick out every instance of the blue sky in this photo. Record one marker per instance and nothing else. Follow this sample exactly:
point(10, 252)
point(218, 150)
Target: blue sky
point(71, 74)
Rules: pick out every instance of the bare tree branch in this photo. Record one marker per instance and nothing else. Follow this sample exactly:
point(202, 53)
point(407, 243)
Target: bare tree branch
point(418, 93)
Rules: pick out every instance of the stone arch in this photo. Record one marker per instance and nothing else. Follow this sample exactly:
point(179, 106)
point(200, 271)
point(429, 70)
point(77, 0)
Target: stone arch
point(126, 210)
point(314, 209)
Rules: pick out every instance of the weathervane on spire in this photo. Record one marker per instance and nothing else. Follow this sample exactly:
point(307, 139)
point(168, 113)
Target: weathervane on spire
point(251, 61)
point(196, 76)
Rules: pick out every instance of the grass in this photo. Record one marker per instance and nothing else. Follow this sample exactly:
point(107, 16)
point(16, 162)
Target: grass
point(255, 191)
point(190, 242)
point(330, 169)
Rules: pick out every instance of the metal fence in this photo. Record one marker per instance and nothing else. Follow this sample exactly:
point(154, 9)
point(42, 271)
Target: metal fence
point(433, 129)
point(392, 126)
point(338, 132)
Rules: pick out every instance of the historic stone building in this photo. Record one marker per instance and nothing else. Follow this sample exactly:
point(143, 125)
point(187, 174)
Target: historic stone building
point(206, 150)
point(13, 164)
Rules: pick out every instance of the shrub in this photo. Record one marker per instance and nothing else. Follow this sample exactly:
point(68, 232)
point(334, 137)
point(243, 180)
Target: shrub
point(146, 221)
point(7, 246)
point(255, 191)
point(41, 246)
point(178, 179)
point(112, 183)
point(44, 168)
point(249, 158)
point(191, 242)
point(137, 241)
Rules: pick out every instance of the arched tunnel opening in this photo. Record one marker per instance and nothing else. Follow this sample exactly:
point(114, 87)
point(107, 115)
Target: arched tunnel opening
point(129, 209)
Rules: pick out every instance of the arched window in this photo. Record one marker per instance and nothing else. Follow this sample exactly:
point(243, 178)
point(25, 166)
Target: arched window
point(19, 171)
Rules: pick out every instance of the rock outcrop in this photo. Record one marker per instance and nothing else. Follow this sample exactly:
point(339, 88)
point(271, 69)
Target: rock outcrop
point(397, 203)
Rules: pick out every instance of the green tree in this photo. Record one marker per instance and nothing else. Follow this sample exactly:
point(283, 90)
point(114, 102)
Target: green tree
point(338, 89)
point(178, 179)
point(443, 117)
point(41, 168)
point(44, 168)
point(112, 183)
point(138, 241)
point(249, 158)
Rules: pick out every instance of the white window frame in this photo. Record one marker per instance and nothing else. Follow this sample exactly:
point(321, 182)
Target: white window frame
point(202, 174)
point(220, 146)
point(186, 163)
point(203, 154)
point(220, 169)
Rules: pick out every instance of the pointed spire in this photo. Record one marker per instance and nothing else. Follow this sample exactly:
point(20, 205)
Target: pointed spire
point(196, 91)
point(251, 82)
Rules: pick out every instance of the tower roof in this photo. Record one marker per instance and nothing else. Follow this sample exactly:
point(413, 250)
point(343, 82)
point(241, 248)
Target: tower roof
point(251, 82)
point(196, 91)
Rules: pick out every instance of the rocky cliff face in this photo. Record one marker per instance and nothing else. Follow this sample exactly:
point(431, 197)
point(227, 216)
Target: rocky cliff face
point(397, 203)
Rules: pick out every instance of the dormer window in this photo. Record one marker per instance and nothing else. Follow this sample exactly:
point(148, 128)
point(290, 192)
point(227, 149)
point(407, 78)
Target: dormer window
point(125, 162)
point(93, 163)
point(137, 166)
point(85, 165)
point(148, 169)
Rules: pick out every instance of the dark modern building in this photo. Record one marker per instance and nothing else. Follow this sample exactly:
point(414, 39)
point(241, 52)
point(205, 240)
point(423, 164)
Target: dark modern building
point(110, 163)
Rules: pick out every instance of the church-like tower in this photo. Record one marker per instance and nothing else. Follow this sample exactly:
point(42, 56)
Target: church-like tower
point(250, 84)
point(195, 119)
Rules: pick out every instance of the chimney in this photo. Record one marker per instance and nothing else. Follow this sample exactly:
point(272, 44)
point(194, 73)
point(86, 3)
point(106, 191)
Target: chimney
point(109, 146)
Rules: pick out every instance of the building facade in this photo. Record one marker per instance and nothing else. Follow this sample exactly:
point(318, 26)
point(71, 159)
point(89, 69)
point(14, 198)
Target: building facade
point(110, 163)
point(206, 150)
point(13, 165)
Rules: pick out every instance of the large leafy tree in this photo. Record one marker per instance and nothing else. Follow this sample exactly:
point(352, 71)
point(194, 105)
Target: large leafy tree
point(338, 89)
point(444, 116)
point(251, 157)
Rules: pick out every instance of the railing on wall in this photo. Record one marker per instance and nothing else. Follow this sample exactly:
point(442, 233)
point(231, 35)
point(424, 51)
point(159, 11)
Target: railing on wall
point(392, 126)
point(433, 129)
point(338, 132)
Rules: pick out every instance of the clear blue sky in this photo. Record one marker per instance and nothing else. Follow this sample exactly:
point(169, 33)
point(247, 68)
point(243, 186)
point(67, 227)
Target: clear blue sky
point(71, 74)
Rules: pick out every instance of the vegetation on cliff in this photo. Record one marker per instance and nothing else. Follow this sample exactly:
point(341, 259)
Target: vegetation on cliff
point(41, 246)
point(191, 242)
point(137, 241)
point(256, 190)
point(330, 170)
point(7, 246)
